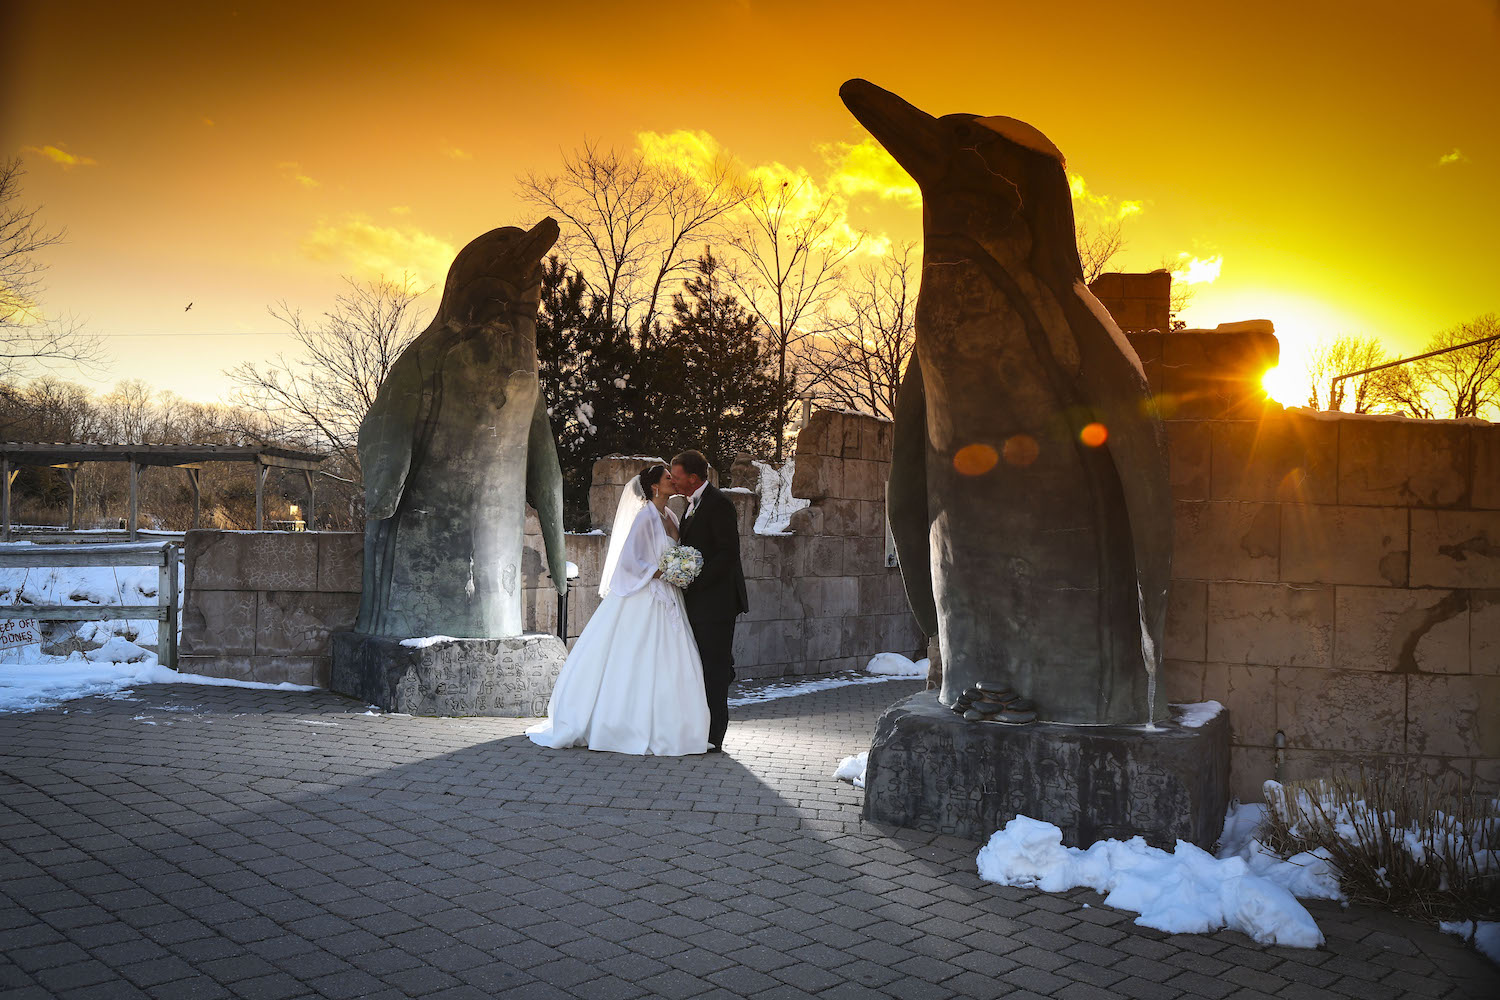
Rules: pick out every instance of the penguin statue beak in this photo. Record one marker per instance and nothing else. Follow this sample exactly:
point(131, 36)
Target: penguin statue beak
point(910, 134)
point(540, 239)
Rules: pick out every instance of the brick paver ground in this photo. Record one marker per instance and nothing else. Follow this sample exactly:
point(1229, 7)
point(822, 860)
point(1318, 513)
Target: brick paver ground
point(211, 842)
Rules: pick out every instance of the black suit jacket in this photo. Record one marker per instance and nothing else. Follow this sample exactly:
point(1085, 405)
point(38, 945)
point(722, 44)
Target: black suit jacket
point(718, 594)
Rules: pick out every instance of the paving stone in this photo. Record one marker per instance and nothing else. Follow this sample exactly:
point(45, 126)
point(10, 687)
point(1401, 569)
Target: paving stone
point(261, 857)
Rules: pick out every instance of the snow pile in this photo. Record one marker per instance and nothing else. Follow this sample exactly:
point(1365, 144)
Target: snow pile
point(852, 769)
point(896, 665)
point(1307, 875)
point(777, 505)
point(422, 642)
point(1483, 934)
point(791, 689)
point(1185, 892)
point(1193, 716)
point(26, 687)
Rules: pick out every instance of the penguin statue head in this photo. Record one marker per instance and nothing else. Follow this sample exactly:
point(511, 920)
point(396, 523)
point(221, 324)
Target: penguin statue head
point(497, 277)
point(993, 179)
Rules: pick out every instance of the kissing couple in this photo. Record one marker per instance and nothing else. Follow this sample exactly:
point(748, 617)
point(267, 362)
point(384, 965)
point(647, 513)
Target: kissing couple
point(650, 673)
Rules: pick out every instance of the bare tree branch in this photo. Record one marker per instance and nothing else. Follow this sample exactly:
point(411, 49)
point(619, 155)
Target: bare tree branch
point(1098, 246)
point(860, 366)
point(29, 338)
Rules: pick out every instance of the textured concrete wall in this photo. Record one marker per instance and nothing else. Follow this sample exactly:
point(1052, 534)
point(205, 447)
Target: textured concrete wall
point(1336, 576)
point(260, 604)
point(1138, 302)
point(821, 598)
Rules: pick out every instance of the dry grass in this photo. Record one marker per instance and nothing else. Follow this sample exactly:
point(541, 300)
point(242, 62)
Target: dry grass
point(1398, 839)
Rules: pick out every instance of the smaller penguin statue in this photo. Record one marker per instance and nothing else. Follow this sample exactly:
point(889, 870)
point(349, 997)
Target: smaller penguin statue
point(455, 444)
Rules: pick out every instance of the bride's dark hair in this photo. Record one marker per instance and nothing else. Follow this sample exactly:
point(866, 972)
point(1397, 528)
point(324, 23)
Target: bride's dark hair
point(650, 476)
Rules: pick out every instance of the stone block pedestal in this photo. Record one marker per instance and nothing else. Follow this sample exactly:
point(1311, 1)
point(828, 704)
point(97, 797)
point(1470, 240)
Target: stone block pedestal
point(510, 677)
point(930, 769)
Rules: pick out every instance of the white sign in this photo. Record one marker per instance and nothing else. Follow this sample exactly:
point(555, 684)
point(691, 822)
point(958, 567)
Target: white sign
point(19, 632)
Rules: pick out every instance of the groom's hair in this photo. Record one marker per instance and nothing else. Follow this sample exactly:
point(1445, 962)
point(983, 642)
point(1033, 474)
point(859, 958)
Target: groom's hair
point(693, 463)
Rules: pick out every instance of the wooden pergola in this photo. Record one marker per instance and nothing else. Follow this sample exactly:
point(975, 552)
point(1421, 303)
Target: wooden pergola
point(66, 458)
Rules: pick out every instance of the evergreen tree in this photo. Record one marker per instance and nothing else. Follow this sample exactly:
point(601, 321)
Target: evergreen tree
point(587, 368)
point(725, 399)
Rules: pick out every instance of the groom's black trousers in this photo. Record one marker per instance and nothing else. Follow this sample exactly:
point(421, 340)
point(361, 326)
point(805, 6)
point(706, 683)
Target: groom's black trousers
point(716, 647)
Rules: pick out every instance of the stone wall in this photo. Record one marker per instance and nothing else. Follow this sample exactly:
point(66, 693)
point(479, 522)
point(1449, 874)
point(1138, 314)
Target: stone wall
point(821, 597)
point(1336, 577)
point(259, 604)
point(1137, 302)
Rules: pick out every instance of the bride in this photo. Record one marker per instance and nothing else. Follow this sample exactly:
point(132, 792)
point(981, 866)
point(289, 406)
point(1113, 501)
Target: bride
point(633, 682)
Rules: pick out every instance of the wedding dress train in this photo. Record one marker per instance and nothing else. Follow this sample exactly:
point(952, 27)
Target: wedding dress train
point(633, 682)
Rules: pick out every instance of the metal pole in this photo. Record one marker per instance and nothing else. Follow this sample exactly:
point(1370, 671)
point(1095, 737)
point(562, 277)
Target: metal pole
point(312, 501)
point(1417, 357)
point(5, 496)
point(71, 475)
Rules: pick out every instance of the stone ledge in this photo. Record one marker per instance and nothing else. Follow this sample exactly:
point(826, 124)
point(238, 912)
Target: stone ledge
point(929, 769)
point(510, 677)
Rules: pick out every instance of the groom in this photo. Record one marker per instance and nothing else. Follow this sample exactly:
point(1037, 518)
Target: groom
point(717, 596)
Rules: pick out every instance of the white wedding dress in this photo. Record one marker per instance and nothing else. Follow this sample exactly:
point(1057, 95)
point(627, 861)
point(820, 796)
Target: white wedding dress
point(634, 681)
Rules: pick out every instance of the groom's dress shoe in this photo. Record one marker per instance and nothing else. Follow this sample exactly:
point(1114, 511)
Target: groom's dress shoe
point(714, 748)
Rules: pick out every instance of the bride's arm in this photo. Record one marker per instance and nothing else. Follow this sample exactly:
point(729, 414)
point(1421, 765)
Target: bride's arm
point(669, 522)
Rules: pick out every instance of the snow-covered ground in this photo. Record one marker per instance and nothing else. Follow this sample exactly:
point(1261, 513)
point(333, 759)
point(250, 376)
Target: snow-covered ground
point(883, 667)
point(106, 657)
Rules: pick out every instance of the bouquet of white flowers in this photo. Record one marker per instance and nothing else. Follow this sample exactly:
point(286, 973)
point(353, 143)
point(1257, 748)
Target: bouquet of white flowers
point(680, 565)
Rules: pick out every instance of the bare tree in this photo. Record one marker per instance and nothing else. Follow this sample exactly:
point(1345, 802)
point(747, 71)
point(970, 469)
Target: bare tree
point(28, 337)
point(628, 223)
point(1345, 353)
point(859, 366)
point(789, 268)
point(1182, 292)
point(1098, 245)
point(1463, 382)
point(321, 395)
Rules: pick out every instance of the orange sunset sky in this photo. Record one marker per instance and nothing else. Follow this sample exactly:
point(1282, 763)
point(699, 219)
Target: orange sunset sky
point(1333, 166)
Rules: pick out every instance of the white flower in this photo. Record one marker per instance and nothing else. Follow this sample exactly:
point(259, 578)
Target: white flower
point(680, 565)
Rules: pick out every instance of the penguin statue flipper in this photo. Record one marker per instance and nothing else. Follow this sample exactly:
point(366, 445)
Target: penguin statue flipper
point(544, 491)
point(906, 497)
point(385, 437)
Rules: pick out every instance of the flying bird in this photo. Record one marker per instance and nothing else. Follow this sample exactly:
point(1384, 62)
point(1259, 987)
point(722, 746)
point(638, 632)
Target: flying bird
point(189, 306)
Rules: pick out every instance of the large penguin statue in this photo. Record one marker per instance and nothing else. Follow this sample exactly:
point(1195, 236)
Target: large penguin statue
point(455, 444)
point(1028, 497)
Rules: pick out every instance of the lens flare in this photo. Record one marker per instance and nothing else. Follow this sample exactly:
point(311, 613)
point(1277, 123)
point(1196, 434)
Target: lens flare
point(1021, 449)
point(1094, 434)
point(975, 459)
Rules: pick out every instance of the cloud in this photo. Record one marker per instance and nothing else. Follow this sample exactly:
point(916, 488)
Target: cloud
point(1102, 206)
point(454, 153)
point(866, 168)
point(400, 209)
point(293, 171)
point(380, 251)
point(1192, 270)
point(1457, 156)
point(208, 121)
point(61, 157)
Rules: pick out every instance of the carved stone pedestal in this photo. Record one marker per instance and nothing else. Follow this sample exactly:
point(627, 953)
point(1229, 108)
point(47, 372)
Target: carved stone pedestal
point(510, 677)
point(929, 769)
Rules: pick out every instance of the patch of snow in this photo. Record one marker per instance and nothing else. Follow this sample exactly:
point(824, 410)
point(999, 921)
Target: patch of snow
point(1188, 891)
point(792, 689)
point(118, 650)
point(1307, 875)
point(777, 505)
point(27, 687)
point(315, 722)
point(1022, 134)
point(852, 769)
point(427, 640)
point(1108, 322)
point(1483, 934)
point(1247, 326)
point(1194, 715)
point(896, 665)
